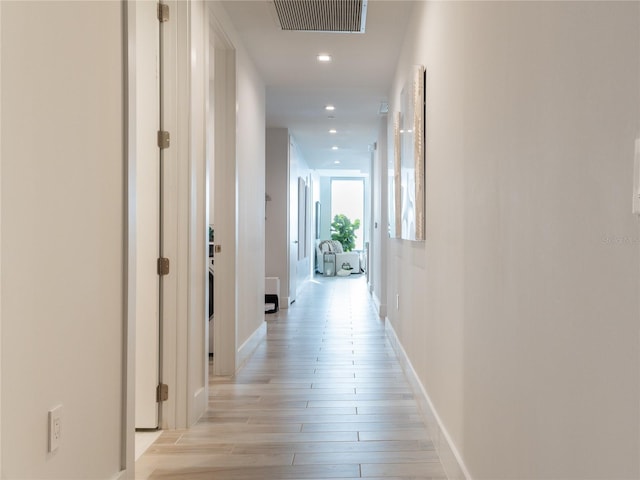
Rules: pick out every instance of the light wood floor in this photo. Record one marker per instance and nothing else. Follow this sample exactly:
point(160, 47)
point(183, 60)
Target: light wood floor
point(322, 398)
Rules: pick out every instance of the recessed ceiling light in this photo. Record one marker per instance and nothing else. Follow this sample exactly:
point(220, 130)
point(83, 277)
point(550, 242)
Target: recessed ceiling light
point(330, 108)
point(324, 57)
point(333, 130)
point(337, 162)
point(334, 147)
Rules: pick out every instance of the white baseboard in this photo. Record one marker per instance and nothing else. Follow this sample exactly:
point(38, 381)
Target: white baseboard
point(124, 474)
point(447, 451)
point(381, 308)
point(200, 400)
point(285, 302)
point(376, 301)
point(247, 348)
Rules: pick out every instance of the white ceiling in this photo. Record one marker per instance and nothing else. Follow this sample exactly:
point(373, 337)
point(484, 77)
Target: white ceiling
point(298, 86)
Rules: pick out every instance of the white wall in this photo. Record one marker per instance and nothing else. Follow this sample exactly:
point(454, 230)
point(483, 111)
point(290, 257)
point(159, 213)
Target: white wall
point(251, 194)
point(520, 311)
point(277, 221)
point(62, 237)
point(284, 164)
point(325, 212)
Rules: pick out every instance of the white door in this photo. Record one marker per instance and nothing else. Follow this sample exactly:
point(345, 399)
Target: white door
point(147, 215)
point(293, 223)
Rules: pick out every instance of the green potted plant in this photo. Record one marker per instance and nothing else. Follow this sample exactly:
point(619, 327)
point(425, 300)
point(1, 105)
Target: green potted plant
point(343, 231)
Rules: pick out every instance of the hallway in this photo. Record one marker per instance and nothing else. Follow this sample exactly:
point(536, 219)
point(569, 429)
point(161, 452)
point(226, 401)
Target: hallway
point(323, 397)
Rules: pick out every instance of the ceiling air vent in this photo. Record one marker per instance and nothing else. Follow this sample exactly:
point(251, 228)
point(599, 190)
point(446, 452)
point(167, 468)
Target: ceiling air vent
point(343, 16)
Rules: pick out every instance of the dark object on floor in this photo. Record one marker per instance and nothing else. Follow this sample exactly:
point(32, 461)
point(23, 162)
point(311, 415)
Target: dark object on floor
point(273, 299)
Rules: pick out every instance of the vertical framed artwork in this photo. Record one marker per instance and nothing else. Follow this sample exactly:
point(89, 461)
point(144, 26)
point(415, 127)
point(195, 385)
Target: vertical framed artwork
point(412, 154)
point(397, 185)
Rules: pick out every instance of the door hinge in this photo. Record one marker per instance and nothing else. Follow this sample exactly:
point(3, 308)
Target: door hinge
point(162, 392)
point(163, 12)
point(163, 139)
point(163, 266)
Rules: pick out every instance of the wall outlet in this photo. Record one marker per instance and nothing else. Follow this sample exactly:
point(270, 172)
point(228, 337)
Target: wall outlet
point(55, 427)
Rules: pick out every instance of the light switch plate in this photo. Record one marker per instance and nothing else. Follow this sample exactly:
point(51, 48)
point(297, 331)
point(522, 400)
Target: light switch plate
point(55, 428)
point(636, 179)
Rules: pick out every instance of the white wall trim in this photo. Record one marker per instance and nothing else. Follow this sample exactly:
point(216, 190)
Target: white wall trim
point(169, 342)
point(381, 308)
point(376, 300)
point(249, 346)
point(198, 276)
point(127, 459)
point(445, 447)
point(182, 312)
point(200, 397)
point(122, 475)
point(0, 238)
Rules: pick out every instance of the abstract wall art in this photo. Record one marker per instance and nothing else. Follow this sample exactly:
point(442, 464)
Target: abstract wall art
point(411, 193)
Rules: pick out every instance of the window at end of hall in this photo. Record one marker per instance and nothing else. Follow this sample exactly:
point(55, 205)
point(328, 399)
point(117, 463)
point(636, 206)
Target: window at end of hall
point(347, 198)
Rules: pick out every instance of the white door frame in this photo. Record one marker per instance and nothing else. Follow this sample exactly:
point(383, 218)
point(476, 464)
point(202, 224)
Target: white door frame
point(184, 355)
point(129, 330)
point(292, 221)
point(1, 250)
point(147, 216)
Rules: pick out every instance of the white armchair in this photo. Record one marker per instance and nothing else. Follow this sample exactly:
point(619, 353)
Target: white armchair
point(342, 258)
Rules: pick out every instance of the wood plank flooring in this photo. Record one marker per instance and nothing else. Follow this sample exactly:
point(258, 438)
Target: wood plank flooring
point(322, 398)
